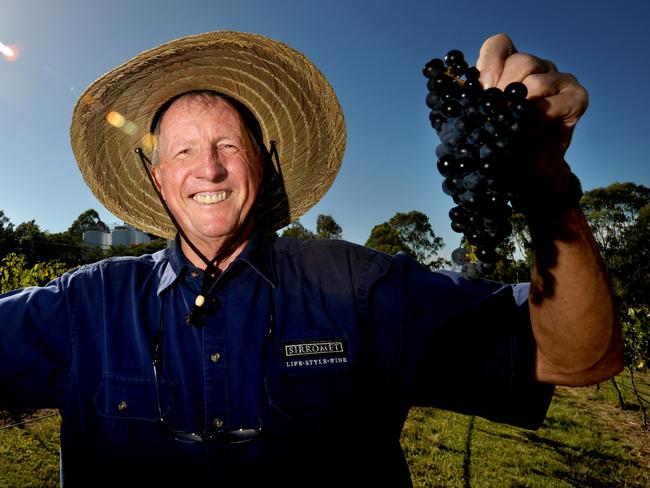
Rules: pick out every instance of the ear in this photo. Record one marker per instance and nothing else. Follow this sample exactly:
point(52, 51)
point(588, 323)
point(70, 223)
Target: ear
point(157, 174)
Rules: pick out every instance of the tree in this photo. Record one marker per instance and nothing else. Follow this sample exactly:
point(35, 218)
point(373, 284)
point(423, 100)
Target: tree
point(385, 238)
point(409, 232)
point(298, 231)
point(629, 262)
point(610, 210)
point(30, 241)
point(88, 220)
point(62, 247)
point(415, 231)
point(619, 216)
point(7, 239)
point(327, 228)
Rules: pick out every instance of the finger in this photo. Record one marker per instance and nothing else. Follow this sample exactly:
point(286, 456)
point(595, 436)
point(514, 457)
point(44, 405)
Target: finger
point(492, 58)
point(520, 65)
point(558, 96)
point(567, 107)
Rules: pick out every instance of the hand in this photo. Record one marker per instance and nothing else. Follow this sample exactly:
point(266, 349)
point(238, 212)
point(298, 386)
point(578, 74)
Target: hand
point(559, 98)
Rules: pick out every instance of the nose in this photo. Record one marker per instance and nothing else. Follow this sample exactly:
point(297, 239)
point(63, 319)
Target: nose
point(209, 166)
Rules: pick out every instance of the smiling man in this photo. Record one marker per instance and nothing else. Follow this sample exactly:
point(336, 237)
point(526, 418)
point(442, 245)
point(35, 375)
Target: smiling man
point(237, 358)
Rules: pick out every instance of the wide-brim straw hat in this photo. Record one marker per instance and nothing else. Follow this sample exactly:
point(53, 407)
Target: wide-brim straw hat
point(292, 101)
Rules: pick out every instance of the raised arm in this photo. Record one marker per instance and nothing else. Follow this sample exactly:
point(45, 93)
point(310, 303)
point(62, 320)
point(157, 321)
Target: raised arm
point(571, 303)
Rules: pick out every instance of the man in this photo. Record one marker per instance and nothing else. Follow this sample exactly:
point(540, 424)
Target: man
point(240, 358)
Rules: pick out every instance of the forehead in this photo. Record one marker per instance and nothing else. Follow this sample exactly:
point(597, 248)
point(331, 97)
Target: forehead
point(200, 107)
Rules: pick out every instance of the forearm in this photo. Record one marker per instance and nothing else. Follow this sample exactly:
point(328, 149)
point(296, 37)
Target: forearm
point(572, 308)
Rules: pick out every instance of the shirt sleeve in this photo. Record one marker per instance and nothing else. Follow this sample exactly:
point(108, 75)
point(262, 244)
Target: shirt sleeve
point(458, 344)
point(35, 345)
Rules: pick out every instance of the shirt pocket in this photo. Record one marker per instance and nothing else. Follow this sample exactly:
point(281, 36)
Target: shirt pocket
point(134, 398)
point(312, 403)
point(127, 407)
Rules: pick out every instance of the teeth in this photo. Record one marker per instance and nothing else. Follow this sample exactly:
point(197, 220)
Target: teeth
point(210, 197)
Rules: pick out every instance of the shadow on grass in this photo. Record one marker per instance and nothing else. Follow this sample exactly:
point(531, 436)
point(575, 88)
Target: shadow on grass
point(594, 467)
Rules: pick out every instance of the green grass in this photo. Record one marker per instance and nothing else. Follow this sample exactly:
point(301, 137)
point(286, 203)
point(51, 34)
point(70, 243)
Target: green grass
point(29, 454)
point(586, 441)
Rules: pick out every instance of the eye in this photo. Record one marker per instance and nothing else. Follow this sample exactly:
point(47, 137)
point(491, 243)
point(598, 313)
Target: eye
point(183, 152)
point(227, 149)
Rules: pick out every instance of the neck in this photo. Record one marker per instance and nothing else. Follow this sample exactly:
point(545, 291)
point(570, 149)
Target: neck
point(225, 249)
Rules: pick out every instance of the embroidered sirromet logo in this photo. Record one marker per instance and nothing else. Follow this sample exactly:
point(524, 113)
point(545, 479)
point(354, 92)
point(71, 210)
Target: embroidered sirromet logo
point(314, 353)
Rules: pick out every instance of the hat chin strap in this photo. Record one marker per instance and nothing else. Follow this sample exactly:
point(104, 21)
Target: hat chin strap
point(196, 316)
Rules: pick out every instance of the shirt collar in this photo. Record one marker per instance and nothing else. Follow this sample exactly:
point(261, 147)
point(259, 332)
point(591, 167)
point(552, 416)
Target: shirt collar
point(175, 268)
point(258, 254)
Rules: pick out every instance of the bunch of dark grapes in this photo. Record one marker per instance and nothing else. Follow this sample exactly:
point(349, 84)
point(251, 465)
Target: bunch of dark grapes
point(481, 133)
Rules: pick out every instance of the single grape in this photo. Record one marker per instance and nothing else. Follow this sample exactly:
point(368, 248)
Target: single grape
point(468, 197)
point(466, 157)
point(458, 214)
point(454, 56)
point(517, 110)
point(474, 180)
point(486, 255)
point(452, 138)
point(472, 74)
point(439, 83)
point(459, 68)
point(434, 100)
point(437, 120)
point(458, 256)
point(451, 108)
point(458, 227)
point(516, 91)
point(477, 137)
point(434, 68)
point(452, 185)
point(446, 164)
point(492, 101)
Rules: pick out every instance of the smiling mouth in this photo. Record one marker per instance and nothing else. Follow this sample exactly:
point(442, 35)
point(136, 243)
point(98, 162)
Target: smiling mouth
point(210, 198)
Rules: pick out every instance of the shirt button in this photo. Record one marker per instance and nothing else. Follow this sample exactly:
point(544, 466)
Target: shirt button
point(217, 422)
point(122, 405)
point(194, 274)
point(215, 357)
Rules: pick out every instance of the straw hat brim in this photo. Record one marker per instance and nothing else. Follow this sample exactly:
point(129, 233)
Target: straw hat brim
point(292, 101)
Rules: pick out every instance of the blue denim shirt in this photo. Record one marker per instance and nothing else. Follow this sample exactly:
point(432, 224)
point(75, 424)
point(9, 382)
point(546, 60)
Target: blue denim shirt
point(320, 346)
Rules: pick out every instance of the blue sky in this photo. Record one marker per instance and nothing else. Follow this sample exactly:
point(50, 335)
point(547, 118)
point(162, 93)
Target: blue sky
point(372, 53)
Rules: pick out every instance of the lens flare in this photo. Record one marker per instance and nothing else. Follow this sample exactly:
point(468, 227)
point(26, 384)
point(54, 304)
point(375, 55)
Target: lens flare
point(116, 119)
point(10, 53)
point(148, 141)
point(130, 128)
